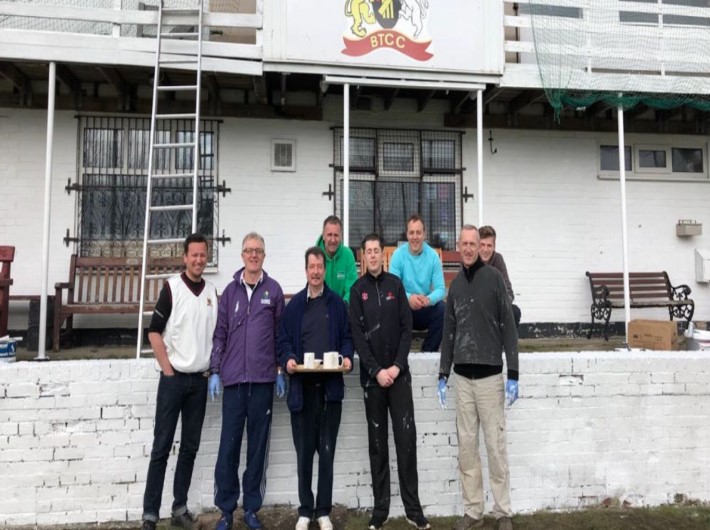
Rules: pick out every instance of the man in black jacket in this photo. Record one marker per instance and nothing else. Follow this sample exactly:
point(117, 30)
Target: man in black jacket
point(381, 326)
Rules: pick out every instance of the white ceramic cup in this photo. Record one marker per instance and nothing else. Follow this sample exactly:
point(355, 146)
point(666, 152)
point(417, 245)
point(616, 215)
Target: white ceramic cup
point(332, 360)
point(317, 363)
point(309, 360)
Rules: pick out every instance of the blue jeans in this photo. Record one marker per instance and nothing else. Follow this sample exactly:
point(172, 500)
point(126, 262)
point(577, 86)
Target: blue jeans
point(430, 318)
point(250, 404)
point(181, 394)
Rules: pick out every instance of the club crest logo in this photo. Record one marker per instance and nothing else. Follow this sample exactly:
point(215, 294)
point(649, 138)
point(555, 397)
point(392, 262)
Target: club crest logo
point(390, 296)
point(364, 297)
point(391, 24)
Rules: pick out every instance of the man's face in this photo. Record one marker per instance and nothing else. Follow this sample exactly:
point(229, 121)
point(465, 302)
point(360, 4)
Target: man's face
point(315, 272)
point(253, 256)
point(468, 246)
point(487, 248)
point(195, 260)
point(415, 236)
point(331, 238)
point(373, 257)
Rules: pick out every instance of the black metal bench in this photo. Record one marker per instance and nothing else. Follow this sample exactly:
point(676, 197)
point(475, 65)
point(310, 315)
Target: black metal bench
point(646, 289)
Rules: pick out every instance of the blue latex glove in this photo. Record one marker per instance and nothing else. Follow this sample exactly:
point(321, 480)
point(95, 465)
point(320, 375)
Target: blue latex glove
point(511, 392)
point(441, 391)
point(280, 385)
point(213, 386)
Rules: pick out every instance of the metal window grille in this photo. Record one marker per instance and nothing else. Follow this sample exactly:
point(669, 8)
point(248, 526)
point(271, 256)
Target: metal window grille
point(395, 173)
point(112, 179)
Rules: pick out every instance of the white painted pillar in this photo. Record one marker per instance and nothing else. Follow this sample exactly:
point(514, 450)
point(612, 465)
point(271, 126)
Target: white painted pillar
point(346, 165)
point(479, 149)
point(624, 234)
point(41, 356)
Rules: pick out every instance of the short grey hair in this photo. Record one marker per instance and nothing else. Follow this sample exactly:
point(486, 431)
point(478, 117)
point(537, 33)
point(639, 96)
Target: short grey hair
point(253, 235)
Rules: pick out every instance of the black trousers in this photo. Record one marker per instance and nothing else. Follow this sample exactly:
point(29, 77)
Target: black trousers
point(398, 399)
point(315, 428)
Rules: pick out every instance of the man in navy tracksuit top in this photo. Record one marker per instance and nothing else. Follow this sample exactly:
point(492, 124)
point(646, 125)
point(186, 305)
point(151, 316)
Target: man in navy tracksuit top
point(381, 325)
point(315, 320)
point(244, 360)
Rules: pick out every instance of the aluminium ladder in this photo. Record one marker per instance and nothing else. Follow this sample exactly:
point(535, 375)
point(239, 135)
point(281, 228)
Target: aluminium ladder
point(181, 50)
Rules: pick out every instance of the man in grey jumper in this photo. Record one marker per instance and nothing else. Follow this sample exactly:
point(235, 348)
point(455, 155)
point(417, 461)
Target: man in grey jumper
point(478, 326)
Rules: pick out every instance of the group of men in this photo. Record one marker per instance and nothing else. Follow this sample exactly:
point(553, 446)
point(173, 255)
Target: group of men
point(245, 342)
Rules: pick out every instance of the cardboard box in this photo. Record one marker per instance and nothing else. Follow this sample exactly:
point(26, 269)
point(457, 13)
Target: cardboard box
point(653, 334)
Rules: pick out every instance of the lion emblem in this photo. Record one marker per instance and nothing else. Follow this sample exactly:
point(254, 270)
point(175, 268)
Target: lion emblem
point(360, 11)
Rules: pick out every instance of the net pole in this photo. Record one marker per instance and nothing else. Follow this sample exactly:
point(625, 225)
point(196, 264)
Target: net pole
point(624, 234)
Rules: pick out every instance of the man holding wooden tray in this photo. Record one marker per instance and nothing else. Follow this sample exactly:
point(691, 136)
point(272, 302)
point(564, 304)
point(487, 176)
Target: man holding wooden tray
point(315, 321)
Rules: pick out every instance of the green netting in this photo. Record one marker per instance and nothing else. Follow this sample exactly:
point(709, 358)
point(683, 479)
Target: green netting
point(622, 52)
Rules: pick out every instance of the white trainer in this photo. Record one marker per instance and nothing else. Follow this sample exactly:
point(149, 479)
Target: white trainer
point(324, 523)
point(302, 523)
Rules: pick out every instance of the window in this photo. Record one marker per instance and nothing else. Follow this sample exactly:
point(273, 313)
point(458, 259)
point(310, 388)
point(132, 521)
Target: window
point(283, 155)
point(112, 179)
point(395, 173)
point(655, 161)
point(649, 12)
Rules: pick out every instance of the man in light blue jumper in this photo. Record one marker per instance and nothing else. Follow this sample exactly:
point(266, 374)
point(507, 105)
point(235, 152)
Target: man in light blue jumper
point(419, 267)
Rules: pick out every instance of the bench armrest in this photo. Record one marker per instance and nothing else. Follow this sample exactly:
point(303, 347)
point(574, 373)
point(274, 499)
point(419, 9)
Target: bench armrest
point(62, 285)
point(600, 294)
point(6, 282)
point(680, 292)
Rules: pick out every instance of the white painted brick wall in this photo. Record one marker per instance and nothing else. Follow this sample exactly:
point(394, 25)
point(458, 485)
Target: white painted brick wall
point(554, 217)
point(75, 438)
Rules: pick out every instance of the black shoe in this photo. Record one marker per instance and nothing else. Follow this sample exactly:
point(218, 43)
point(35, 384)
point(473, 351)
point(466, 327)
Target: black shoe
point(225, 522)
point(185, 520)
point(251, 520)
point(377, 522)
point(148, 525)
point(419, 521)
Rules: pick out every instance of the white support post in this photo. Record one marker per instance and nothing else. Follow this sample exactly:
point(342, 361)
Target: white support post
point(116, 28)
point(41, 355)
point(346, 165)
point(479, 151)
point(624, 234)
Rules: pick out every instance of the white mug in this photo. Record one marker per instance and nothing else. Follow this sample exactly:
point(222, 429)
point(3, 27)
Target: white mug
point(309, 360)
point(332, 360)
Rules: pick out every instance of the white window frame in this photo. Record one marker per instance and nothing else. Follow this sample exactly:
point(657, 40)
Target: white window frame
point(651, 170)
point(283, 141)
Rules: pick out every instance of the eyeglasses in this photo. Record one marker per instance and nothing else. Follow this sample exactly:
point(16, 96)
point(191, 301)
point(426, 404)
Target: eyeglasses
point(249, 251)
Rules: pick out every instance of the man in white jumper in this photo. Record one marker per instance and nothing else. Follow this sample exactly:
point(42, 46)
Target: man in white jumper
point(181, 336)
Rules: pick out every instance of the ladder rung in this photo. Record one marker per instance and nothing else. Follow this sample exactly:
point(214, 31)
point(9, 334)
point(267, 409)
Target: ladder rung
point(164, 241)
point(158, 277)
point(173, 176)
point(176, 88)
point(180, 10)
point(177, 61)
point(179, 34)
point(171, 208)
point(183, 116)
point(173, 146)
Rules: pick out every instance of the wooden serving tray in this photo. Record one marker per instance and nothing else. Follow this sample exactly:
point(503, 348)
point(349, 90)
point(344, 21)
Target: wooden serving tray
point(300, 369)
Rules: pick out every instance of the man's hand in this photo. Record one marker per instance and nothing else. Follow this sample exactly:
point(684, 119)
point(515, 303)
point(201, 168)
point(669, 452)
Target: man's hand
point(291, 366)
point(384, 379)
point(213, 386)
point(511, 392)
point(347, 364)
point(280, 385)
point(441, 392)
point(393, 371)
point(415, 302)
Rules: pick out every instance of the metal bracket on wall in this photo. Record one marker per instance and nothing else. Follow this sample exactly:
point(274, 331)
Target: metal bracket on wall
point(466, 195)
point(72, 186)
point(68, 239)
point(330, 193)
point(223, 239)
point(223, 189)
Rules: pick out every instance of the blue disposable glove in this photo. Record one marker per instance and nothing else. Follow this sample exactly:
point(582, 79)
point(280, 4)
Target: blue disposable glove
point(511, 392)
point(213, 386)
point(441, 391)
point(280, 385)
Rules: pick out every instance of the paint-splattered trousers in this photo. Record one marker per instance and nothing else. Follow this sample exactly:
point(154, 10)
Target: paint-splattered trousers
point(397, 399)
point(479, 403)
point(315, 428)
point(243, 404)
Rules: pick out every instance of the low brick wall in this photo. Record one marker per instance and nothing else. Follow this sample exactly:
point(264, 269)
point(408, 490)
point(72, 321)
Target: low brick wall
point(75, 438)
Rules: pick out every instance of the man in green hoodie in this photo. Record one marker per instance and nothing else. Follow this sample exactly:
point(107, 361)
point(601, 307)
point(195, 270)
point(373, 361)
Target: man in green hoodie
point(340, 269)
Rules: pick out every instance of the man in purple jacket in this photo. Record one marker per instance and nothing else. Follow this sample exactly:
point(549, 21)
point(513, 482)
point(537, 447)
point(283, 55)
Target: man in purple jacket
point(244, 361)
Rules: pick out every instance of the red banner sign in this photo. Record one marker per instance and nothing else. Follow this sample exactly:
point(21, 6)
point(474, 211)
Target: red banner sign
point(387, 38)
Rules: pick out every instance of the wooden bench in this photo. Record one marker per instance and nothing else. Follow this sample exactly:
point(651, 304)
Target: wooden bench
point(646, 289)
point(450, 261)
point(7, 255)
point(107, 286)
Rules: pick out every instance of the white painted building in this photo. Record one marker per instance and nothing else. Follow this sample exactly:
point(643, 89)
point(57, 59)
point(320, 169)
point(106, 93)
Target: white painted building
point(274, 74)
